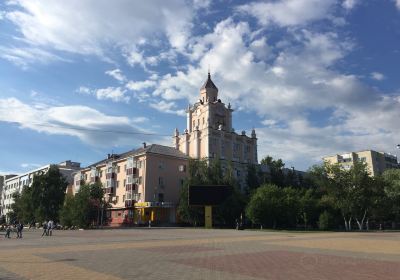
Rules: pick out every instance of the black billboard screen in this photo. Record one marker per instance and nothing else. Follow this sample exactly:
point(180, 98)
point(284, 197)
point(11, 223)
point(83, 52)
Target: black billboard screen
point(208, 195)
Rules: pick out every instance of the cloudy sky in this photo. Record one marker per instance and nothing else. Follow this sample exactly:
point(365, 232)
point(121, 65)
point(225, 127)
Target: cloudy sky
point(80, 79)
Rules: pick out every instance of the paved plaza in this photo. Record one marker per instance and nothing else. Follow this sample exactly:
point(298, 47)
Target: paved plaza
point(183, 253)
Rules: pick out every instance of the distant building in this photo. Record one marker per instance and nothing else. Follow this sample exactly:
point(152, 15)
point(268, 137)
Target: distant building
point(377, 162)
point(2, 179)
point(141, 185)
point(209, 134)
point(17, 183)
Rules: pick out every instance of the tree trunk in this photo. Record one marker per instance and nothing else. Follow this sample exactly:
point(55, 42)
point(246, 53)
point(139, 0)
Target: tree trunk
point(345, 224)
point(350, 223)
point(361, 223)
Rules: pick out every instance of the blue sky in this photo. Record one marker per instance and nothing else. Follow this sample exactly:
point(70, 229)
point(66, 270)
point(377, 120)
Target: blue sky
point(313, 77)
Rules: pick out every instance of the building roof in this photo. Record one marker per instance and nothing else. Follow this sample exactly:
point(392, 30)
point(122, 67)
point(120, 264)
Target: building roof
point(150, 149)
point(362, 151)
point(209, 83)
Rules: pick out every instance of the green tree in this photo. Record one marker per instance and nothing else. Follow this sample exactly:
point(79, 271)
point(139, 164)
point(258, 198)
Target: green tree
point(83, 209)
point(266, 206)
point(189, 214)
point(353, 192)
point(276, 170)
point(252, 178)
point(308, 208)
point(390, 202)
point(67, 211)
point(47, 194)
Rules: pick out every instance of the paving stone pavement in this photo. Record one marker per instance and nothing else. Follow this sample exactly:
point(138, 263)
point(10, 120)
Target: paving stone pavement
point(185, 253)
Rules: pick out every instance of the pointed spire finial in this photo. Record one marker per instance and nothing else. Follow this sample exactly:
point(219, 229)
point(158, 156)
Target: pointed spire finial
point(209, 70)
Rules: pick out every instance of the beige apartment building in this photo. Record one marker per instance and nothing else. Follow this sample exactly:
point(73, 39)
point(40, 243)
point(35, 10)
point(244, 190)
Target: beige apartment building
point(377, 162)
point(209, 134)
point(17, 183)
point(141, 185)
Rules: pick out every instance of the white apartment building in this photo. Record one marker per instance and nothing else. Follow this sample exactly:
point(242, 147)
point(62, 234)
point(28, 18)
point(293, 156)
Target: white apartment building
point(17, 183)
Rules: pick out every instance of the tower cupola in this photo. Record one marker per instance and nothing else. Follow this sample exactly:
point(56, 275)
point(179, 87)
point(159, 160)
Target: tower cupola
point(209, 91)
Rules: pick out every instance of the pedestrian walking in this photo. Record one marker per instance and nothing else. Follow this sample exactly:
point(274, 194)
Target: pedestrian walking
point(45, 228)
point(20, 227)
point(50, 226)
point(8, 231)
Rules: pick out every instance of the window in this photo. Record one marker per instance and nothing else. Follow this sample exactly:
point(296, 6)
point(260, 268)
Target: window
point(123, 198)
point(160, 197)
point(116, 199)
point(117, 185)
point(160, 181)
point(118, 169)
point(124, 182)
point(140, 180)
point(182, 168)
point(161, 165)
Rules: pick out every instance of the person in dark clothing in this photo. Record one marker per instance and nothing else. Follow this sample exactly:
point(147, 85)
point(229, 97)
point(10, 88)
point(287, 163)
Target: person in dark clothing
point(20, 227)
point(8, 231)
point(45, 229)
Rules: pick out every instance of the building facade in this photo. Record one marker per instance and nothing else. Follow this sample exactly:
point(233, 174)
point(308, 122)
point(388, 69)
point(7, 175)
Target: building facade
point(3, 178)
point(209, 134)
point(377, 162)
point(17, 183)
point(140, 186)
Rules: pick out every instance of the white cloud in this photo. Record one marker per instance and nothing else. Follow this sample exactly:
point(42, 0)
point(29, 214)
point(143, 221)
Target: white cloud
point(397, 4)
point(296, 80)
point(30, 165)
point(349, 4)
point(116, 74)
point(89, 125)
point(84, 90)
point(141, 85)
point(377, 76)
point(288, 12)
point(100, 25)
point(201, 4)
point(167, 107)
point(24, 56)
point(116, 94)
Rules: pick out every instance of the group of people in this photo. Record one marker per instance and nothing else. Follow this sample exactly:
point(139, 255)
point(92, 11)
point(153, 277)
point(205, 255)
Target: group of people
point(48, 228)
point(18, 226)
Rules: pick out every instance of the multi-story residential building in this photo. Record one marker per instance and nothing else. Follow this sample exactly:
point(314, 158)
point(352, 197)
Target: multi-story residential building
point(2, 179)
point(377, 162)
point(17, 183)
point(209, 134)
point(140, 185)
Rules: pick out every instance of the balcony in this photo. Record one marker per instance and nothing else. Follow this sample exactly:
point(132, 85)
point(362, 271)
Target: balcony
point(131, 171)
point(130, 187)
point(129, 203)
point(94, 179)
point(109, 190)
point(111, 175)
